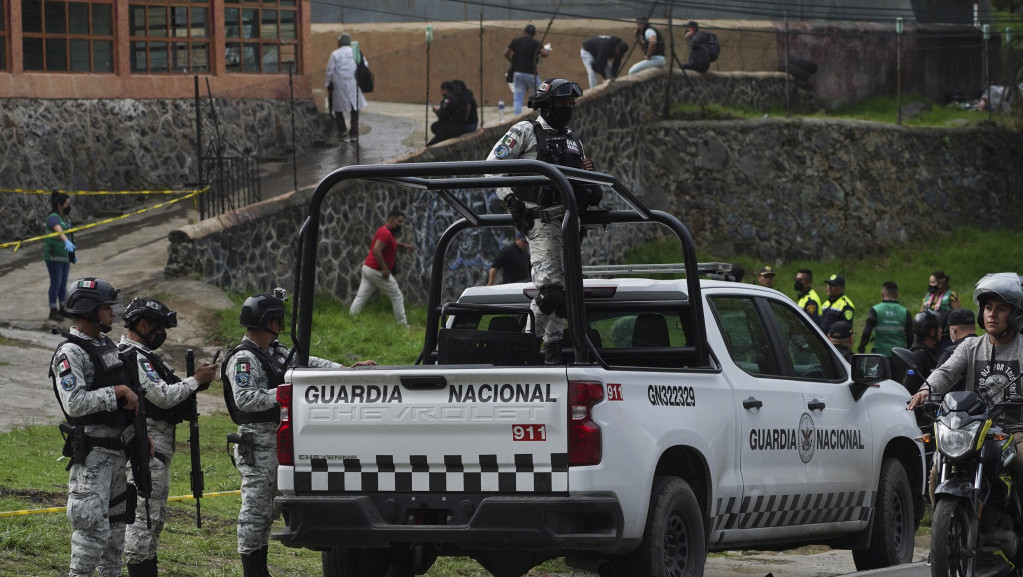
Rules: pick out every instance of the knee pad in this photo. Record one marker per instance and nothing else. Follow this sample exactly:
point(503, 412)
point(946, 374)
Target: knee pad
point(551, 300)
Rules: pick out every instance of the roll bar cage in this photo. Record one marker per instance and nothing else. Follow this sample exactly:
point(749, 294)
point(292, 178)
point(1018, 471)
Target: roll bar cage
point(441, 178)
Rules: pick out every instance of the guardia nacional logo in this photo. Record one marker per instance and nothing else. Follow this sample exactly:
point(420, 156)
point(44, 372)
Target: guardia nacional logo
point(807, 438)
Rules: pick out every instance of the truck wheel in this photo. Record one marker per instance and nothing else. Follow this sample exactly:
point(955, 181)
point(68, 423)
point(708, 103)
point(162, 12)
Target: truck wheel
point(366, 563)
point(891, 537)
point(674, 542)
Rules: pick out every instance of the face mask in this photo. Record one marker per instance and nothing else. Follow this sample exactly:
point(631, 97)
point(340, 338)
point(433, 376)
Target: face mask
point(932, 288)
point(67, 210)
point(396, 231)
point(799, 286)
point(155, 338)
point(558, 117)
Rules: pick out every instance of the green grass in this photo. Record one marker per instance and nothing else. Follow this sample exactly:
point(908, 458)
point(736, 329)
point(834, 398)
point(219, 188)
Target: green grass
point(32, 477)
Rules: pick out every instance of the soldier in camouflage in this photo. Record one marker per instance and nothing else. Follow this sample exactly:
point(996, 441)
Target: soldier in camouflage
point(549, 139)
point(167, 401)
point(251, 373)
point(90, 383)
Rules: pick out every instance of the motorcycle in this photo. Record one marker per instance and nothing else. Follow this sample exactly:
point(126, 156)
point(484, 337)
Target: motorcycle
point(977, 519)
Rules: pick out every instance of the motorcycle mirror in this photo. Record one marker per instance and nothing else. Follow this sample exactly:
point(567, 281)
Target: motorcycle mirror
point(905, 357)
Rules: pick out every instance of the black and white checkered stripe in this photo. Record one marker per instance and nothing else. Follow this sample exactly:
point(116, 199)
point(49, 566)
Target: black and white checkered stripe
point(449, 474)
point(785, 510)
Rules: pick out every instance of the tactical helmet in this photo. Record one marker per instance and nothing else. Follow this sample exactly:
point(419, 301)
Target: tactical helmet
point(258, 310)
point(1006, 287)
point(152, 309)
point(924, 321)
point(550, 90)
point(87, 294)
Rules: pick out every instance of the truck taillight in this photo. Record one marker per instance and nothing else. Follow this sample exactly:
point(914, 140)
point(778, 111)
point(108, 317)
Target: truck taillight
point(584, 442)
point(285, 443)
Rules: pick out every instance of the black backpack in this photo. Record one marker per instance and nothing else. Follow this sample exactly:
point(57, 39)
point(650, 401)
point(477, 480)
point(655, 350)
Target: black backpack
point(713, 48)
point(363, 76)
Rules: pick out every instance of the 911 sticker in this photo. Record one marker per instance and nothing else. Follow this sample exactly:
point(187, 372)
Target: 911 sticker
point(529, 432)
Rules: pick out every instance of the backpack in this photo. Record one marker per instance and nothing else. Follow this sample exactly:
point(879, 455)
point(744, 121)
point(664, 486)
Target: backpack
point(712, 46)
point(364, 76)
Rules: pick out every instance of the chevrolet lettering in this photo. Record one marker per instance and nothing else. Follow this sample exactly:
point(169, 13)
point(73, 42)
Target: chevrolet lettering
point(500, 447)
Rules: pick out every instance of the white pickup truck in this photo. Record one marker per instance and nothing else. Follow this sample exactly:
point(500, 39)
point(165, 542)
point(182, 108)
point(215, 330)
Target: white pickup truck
point(691, 415)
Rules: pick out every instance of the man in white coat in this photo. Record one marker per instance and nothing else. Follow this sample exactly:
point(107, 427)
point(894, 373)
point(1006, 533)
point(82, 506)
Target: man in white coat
point(345, 95)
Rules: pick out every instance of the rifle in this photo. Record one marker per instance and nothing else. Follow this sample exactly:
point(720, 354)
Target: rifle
point(135, 438)
point(197, 479)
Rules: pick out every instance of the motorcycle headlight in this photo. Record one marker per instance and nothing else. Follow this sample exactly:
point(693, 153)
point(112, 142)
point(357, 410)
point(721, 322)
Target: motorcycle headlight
point(957, 442)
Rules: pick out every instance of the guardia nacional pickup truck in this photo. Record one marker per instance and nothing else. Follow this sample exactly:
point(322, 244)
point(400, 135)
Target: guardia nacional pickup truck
point(692, 415)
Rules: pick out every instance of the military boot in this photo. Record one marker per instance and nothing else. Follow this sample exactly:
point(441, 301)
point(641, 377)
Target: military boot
point(254, 564)
point(54, 315)
point(146, 568)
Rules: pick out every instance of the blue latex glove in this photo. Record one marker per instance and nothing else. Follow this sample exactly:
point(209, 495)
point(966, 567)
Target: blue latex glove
point(69, 246)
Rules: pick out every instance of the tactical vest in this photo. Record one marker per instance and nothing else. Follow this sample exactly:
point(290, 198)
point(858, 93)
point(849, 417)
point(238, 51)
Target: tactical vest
point(890, 330)
point(108, 371)
point(275, 366)
point(173, 415)
point(659, 49)
point(563, 150)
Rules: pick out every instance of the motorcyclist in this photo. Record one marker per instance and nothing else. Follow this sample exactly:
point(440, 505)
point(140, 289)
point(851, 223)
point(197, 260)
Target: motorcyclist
point(990, 362)
point(926, 336)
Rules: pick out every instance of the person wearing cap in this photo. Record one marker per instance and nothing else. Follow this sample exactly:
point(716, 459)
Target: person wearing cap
point(838, 307)
point(766, 277)
point(942, 300)
point(806, 297)
point(251, 373)
point(959, 324)
point(699, 48)
point(345, 95)
point(523, 53)
point(512, 262)
point(841, 335)
point(602, 55)
point(96, 397)
point(652, 44)
point(888, 325)
point(548, 139)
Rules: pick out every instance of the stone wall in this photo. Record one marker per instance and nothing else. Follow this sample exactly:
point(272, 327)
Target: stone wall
point(115, 145)
point(775, 188)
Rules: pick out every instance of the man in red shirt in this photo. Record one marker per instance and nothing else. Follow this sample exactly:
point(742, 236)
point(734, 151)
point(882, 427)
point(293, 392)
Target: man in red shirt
point(376, 271)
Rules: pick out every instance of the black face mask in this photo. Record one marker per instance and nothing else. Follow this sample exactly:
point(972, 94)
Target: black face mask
point(799, 287)
point(396, 231)
point(67, 210)
point(931, 288)
point(155, 338)
point(558, 117)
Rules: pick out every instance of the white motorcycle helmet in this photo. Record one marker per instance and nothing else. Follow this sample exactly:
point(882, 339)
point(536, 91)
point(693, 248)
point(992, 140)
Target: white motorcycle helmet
point(1006, 286)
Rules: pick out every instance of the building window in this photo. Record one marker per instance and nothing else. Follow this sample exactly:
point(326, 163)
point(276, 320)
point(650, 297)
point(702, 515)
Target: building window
point(61, 36)
point(261, 36)
point(169, 37)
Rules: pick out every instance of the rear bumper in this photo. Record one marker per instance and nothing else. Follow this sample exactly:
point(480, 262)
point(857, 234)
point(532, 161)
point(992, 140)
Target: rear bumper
point(548, 523)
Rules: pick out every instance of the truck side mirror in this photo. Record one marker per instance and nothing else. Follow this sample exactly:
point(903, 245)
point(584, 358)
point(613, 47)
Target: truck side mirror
point(870, 369)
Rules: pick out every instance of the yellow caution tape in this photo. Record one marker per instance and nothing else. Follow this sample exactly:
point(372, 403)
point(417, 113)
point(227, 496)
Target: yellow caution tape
point(58, 509)
point(17, 243)
point(95, 192)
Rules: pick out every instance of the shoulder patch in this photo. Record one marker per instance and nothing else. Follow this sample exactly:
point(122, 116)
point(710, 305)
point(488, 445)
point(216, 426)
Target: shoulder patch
point(63, 365)
point(67, 382)
point(242, 379)
point(242, 366)
point(848, 314)
point(501, 151)
point(150, 371)
point(811, 308)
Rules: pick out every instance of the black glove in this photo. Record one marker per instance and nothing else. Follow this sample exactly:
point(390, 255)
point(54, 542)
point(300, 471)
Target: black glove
point(517, 210)
point(203, 387)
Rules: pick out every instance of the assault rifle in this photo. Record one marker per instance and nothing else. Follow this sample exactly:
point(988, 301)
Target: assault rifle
point(198, 478)
point(135, 438)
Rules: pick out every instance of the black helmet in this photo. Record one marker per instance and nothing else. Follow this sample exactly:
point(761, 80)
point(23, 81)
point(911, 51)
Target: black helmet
point(258, 310)
point(152, 309)
point(530, 29)
point(87, 294)
point(550, 90)
point(1006, 287)
point(924, 321)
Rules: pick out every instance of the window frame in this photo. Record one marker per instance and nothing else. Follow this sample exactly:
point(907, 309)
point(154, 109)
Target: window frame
point(50, 39)
point(237, 44)
point(174, 38)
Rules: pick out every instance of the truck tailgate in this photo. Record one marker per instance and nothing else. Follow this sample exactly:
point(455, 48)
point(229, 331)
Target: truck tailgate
point(430, 429)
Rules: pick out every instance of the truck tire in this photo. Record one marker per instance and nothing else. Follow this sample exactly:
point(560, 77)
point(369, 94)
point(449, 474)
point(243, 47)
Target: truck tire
point(674, 543)
point(365, 563)
point(891, 537)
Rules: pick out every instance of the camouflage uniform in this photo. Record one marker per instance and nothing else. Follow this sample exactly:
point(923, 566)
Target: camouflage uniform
point(97, 504)
point(141, 542)
point(252, 390)
point(546, 256)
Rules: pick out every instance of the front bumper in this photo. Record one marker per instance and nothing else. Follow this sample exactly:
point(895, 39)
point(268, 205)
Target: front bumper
point(467, 521)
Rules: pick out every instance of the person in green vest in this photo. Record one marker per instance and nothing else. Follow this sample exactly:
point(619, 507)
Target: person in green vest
point(889, 324)
point(806, 297)
point(941, 300)
point(58, 251)
point(838, 307)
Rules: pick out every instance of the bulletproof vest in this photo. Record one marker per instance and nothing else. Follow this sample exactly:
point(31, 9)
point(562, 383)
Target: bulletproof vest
point(890, 330)
point(108, 371)
point(659, 49)
point(173, 415)
point(563, 150)
point(275, 365)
